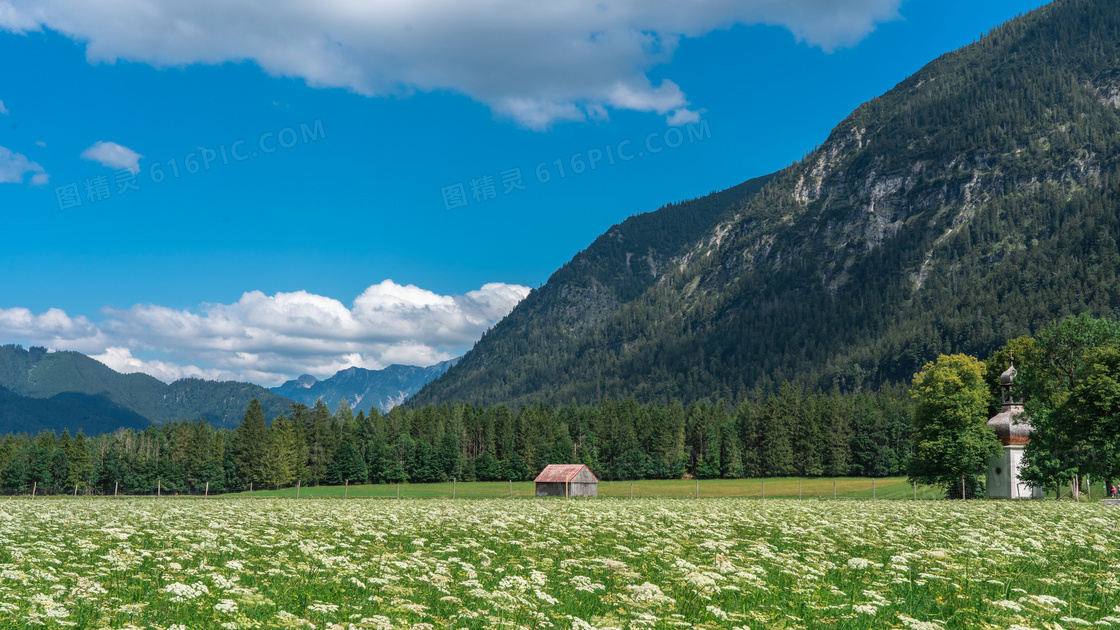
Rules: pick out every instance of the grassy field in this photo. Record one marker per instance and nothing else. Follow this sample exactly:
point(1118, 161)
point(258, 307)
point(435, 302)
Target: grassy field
point(846, 488)
point(179, 564)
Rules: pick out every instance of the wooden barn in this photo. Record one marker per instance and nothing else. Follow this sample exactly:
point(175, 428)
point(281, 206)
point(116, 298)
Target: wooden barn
point(567, 480)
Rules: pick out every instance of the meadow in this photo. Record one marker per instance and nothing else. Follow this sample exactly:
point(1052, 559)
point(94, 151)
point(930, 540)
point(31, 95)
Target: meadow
point(775, 487)
point(191, 563)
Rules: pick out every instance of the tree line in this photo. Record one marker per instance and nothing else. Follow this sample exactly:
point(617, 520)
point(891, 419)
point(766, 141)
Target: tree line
point(793, 431)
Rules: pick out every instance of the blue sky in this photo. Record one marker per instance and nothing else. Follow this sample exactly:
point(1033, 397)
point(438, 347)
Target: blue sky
point(272, 266)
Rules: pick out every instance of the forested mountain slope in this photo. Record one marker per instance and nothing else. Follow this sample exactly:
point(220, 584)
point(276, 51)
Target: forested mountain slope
point(975, 201)
point(72, 377)
point(619, 267)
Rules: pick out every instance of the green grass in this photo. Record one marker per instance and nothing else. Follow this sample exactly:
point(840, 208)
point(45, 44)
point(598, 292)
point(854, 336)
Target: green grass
point(780, 487)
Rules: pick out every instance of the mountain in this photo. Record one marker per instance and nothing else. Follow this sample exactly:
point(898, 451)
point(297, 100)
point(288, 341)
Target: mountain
point(69, 411)
point(86, 384)
point(976, 201)
point(364, 389)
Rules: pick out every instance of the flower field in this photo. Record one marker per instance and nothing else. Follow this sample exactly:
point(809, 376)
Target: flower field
point(186, 564)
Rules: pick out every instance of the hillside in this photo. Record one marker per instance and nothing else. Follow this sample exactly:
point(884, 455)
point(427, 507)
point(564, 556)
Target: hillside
point(70, 411)
point(72, 376)
point(975, 201)
point(616, 269)
point(364, 389)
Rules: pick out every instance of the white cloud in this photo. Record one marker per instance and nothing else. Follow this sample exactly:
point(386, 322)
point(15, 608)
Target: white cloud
point(54, 329)
point(683, 117)
point(537, 62)
point(113, 155)
point(3, 110)
point(121, 360)
point(270, 338)
point(15, 166)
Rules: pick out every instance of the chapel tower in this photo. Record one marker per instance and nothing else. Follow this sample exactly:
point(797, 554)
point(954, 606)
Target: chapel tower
point(1013, 429)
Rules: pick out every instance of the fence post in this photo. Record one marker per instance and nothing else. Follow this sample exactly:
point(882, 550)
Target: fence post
point(116, 486)
point(631, 489)
point(159, 487)
point(511, 488)
point(250, 489)
point(34, 487)
point(297, 488)
point(75, 489)
point(207, 489)
point(915, 490)
point(833, 488)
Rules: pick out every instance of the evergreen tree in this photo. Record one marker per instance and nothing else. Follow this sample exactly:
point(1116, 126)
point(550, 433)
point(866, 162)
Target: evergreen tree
point(347, 465)
point(60, 469)
point(320, 437)
point(450, 460)
point(251, 445)
point(17, 474)
point(39, 469)
point(397, 460)
point(562, 451)
point(281, 453)
point(837, 435)
point(774, 444)
point(487, 467)
point(747, 418)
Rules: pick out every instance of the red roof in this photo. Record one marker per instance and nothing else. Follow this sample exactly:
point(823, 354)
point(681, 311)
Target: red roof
point(562, 473)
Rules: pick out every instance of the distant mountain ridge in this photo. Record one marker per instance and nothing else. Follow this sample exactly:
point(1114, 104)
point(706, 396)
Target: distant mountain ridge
point(104, 396)
point(364, 389)
point(977, 200)
point(67, 411)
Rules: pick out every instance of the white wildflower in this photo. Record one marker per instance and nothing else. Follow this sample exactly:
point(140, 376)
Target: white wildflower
point(1008, 604)
point(859, 563)
point(715, 610)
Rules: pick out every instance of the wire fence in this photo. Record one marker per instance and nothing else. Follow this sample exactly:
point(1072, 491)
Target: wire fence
point(35, 490)
point(842, 488)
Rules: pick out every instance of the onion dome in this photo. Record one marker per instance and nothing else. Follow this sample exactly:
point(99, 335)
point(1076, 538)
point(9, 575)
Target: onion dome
point(1011, 425)
point(1007, 379)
